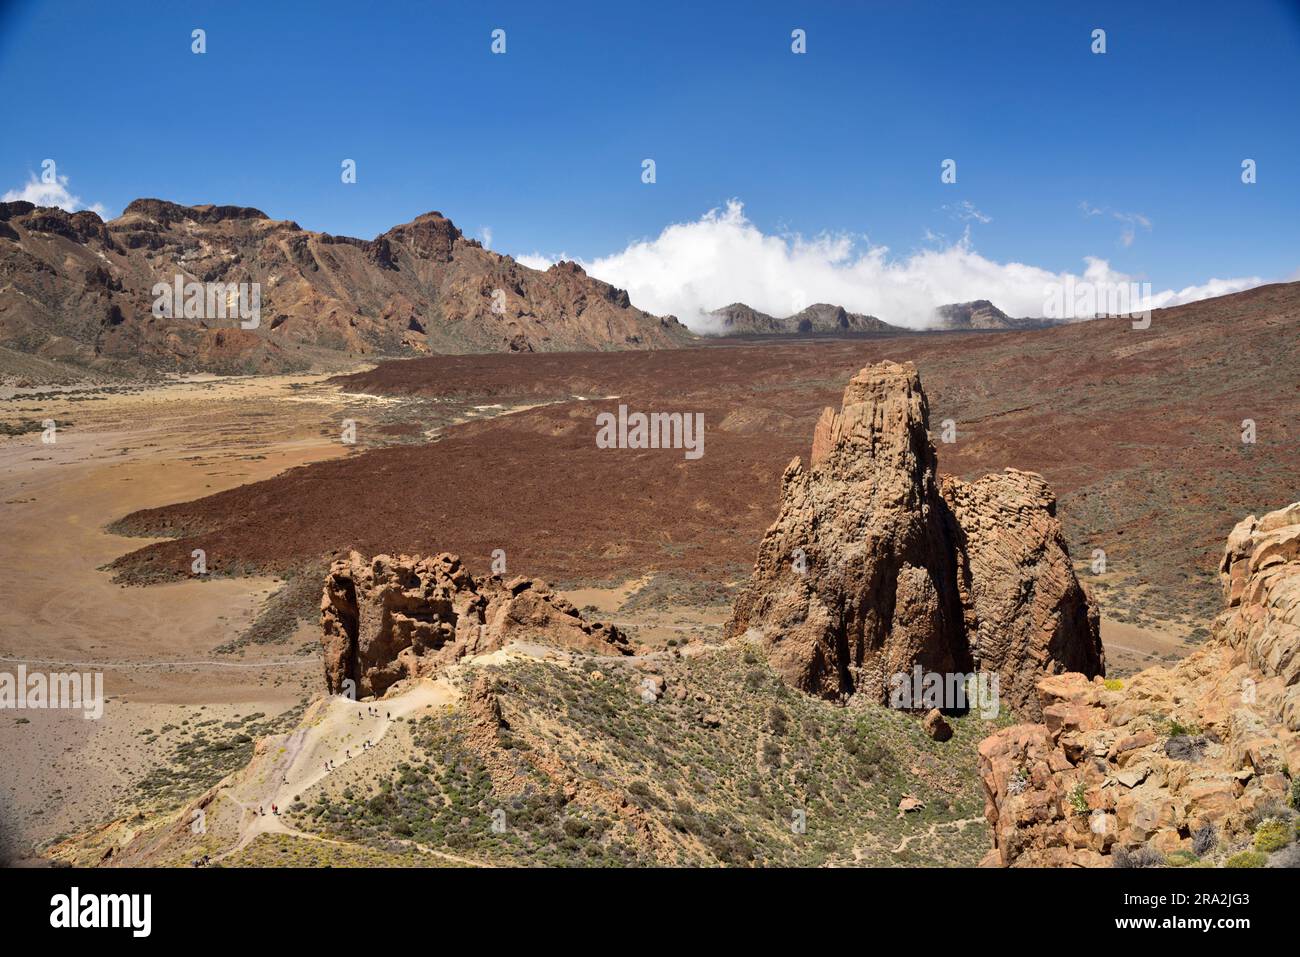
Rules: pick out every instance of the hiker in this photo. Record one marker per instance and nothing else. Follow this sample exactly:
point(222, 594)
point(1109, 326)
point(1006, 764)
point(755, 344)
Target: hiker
point(260, 811)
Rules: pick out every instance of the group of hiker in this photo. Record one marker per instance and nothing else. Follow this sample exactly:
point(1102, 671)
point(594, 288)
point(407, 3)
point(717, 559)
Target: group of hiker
point(328, 764)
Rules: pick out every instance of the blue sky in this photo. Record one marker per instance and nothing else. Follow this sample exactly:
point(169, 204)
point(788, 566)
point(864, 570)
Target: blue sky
point(1132, 156)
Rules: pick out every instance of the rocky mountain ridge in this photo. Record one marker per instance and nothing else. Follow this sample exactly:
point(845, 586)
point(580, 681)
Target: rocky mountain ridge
point(979, 315)
point(739, 319)
point(78, 290)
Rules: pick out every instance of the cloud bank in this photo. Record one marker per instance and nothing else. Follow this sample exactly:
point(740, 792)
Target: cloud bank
point(692, 268)
point(56, 193)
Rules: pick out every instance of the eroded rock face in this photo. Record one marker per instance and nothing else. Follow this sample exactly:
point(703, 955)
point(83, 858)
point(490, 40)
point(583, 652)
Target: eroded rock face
point(1205, 748)
point(871, 570)
point(390, 618)
point(1025, 612)
point(1260, 572)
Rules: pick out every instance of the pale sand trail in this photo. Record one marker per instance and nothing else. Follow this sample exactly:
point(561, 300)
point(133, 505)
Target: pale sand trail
point(959, 825)
point(290, 764)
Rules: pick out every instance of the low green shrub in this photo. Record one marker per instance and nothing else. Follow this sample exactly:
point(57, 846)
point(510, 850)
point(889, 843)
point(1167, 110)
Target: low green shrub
point(1247, 859)
point(1273, 835)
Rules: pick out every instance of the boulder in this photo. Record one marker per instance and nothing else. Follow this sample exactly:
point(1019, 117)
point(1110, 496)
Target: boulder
point(909, 805)
point(935, 726)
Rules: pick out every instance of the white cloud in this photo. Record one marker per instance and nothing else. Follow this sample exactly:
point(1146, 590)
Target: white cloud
point(965, 211)
point(538, 261)
point(51, 194)
point(1131, 221)
point(485, 234)
point(1206, 290)
point(691, 268)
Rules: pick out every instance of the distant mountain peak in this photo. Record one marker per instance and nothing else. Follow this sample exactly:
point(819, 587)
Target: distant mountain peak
point(980, 314)
point(738, 318)
point(976, 314)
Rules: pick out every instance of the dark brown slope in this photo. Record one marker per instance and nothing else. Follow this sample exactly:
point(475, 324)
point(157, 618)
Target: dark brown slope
point(1137, 431)
point(74, 288)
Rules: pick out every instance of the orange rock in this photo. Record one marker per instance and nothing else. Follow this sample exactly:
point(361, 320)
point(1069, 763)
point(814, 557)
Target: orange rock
point(390, 618)
point(930, 575)
point(935, 725)
point(1243, 690)
point(1064, 717)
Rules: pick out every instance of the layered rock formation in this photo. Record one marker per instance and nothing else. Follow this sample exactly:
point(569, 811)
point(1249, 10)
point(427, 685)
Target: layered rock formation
point(873, 567)
point(1185, 759)
point(390, 618)
point(76, 289)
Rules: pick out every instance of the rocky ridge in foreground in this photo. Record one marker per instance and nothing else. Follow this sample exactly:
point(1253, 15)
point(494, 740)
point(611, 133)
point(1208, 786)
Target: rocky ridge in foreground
point(1190, 764)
